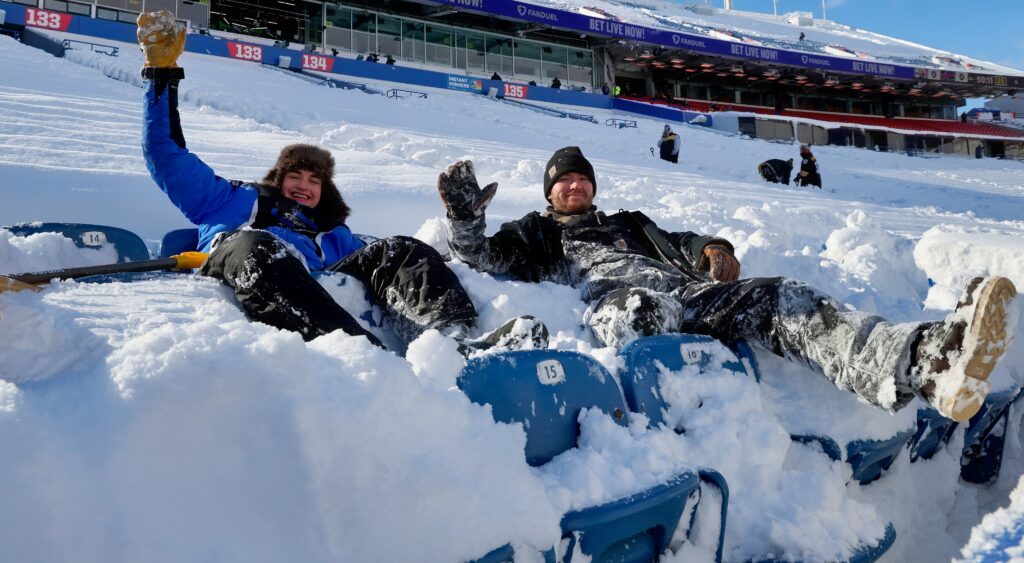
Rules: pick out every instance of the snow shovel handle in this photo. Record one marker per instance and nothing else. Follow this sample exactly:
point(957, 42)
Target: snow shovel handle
point(183, 261)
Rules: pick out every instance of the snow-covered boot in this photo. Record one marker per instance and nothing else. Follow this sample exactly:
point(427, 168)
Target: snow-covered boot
point(951, 360)
point(520, 333)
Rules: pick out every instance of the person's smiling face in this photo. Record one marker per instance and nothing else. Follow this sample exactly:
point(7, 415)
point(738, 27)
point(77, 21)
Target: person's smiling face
point(572, 193)
point(302, 186)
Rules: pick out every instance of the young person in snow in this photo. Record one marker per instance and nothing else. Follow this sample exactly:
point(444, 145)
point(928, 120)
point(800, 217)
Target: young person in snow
point(776, 170)
point(264, 238)
point(668, 144)
point(640, 280)
point(808, 175)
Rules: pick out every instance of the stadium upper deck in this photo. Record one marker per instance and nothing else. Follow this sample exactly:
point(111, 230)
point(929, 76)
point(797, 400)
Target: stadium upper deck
point(648, 48)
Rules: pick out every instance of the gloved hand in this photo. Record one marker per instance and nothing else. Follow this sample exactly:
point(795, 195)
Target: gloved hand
point(161, 39)
point(461, 193)
point(720, 263)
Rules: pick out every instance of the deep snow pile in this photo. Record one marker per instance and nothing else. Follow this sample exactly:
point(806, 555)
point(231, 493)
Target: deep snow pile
point(151, 421)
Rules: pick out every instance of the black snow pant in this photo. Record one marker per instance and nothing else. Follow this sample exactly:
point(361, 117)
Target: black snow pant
point(407, 277)
point(859, 352)
point(812, 179)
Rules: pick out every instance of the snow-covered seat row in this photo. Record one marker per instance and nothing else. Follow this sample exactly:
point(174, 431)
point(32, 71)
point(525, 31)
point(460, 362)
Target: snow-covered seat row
point(646, 359)
point(546, 390)
point(128, 245)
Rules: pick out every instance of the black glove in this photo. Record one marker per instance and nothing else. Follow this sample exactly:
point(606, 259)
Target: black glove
point(461, 194)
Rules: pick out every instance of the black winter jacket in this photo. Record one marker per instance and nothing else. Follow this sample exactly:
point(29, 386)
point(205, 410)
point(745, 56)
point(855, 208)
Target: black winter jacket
point(809, 175)
point(577, 248)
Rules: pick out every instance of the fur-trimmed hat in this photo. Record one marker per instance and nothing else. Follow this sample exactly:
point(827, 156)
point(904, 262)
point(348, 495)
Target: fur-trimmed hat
point(565, 160)
point(318, 161)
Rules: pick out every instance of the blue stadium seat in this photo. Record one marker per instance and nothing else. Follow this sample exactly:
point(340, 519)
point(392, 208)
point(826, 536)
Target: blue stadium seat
point(129, 247)
point(870, 458)
point(546, 390)
point(178, 241)
point(933, 432)
point(984, 441)
point(982, 456)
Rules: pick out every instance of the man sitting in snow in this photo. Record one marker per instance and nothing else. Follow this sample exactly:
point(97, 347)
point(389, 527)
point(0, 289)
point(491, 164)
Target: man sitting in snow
point(640, 280)
point(265, 238)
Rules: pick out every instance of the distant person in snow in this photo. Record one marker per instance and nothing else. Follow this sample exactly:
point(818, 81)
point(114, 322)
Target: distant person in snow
point(264, 238)
point(640, 280)
point(495, 76)
point(556, 83)
point(390, 60)
point(372, 58)
point(668, 145)
point(809, 175)
point(802, 36)
point(776, 170)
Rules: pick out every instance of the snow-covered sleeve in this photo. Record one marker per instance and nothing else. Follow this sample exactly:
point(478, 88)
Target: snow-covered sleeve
point(191, 185)
point(520, 249)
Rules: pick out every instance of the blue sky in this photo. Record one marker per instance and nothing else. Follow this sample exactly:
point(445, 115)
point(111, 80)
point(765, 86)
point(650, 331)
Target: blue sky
point(991, 30)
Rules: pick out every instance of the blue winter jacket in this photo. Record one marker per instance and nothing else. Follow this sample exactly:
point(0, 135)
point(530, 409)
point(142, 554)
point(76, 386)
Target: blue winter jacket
point(217, 205)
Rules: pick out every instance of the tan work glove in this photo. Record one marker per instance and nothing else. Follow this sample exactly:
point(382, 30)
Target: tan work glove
point(161, 39)
point(720, 263)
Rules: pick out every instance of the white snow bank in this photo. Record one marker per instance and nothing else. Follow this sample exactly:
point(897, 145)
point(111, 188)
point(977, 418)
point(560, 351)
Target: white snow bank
point(1000, 535)
point(152, 421)
point(952, 255)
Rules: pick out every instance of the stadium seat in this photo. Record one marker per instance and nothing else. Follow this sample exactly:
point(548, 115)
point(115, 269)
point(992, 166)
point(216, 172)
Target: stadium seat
point(984, 442)
point(129, 247)
point(178, 241)
point(546, 390)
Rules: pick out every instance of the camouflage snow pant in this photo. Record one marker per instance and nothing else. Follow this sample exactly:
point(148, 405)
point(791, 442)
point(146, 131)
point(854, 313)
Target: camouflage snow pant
point(859, 352)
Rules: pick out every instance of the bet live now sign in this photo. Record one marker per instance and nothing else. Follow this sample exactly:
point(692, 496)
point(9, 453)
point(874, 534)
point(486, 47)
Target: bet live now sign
point(697, 43)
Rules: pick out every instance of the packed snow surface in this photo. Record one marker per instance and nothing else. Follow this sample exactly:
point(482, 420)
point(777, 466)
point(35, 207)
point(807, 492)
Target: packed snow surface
point(150, 421)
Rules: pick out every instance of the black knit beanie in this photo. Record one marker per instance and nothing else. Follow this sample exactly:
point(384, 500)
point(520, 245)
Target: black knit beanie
point(318, 161)
point(565, 160)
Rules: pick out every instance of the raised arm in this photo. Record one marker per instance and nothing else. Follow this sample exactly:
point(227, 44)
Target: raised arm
point(520, 249)
point(191, 185)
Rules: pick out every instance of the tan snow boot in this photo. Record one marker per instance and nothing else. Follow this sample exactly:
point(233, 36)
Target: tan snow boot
point(952, 359)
